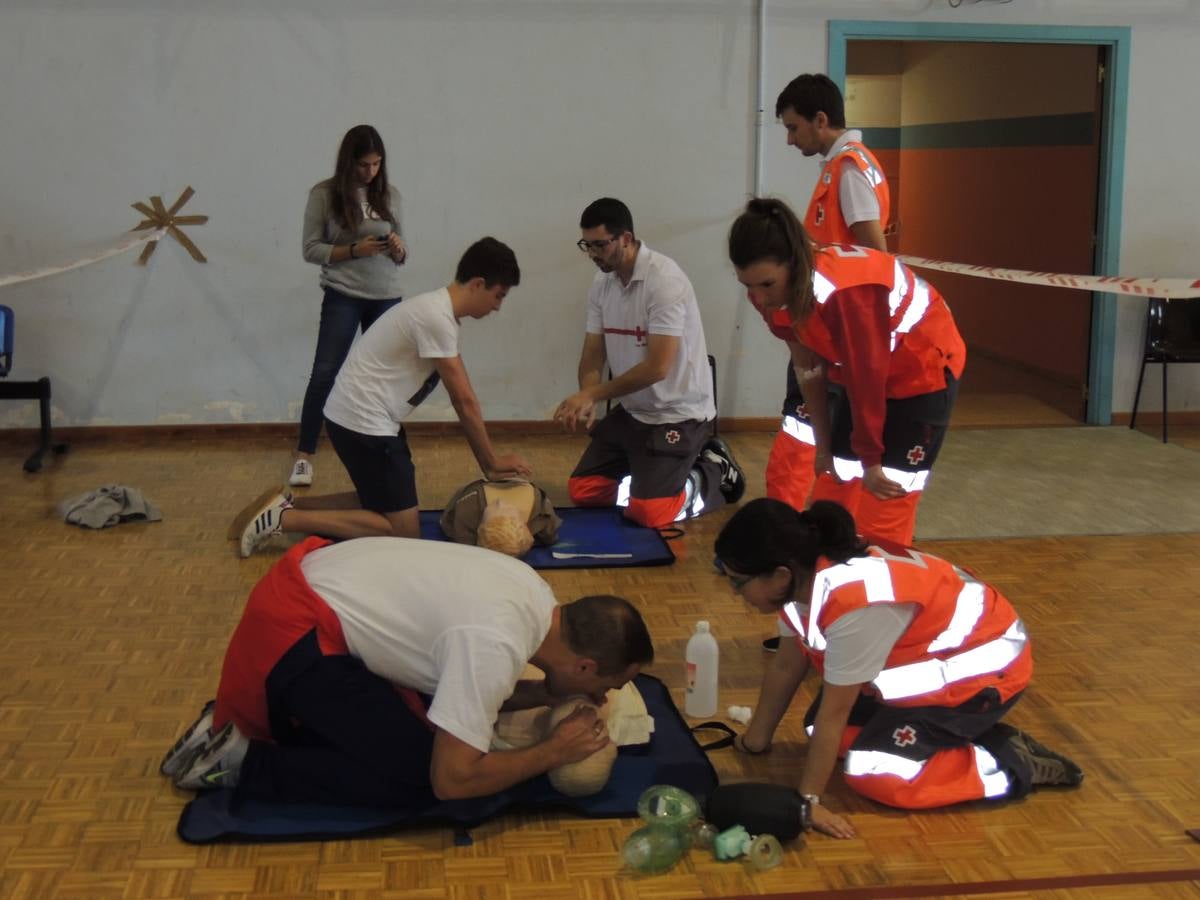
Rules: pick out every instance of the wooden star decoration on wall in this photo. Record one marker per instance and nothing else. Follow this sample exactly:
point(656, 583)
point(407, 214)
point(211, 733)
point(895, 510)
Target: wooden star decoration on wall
point(158, 216)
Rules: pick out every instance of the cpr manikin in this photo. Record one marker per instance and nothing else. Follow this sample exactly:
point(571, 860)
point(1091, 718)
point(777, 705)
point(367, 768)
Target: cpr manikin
point(505, 516)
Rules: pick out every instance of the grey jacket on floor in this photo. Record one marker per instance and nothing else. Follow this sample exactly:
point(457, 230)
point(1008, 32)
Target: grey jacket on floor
point(108, 505)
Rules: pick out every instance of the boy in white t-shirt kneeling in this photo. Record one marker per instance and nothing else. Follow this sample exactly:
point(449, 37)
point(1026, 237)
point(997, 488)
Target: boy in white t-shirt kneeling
point(396, 364)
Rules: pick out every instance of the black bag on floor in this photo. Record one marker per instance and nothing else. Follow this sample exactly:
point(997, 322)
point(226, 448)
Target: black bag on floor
point(760, 808)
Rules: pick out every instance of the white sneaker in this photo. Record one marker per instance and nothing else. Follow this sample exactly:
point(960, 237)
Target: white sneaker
point(302, 473)
point(218, 764)
point(261, 519)
point(197, 736)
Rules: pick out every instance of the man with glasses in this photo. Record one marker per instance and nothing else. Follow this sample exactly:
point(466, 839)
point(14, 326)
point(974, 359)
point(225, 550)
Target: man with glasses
point(655, 453)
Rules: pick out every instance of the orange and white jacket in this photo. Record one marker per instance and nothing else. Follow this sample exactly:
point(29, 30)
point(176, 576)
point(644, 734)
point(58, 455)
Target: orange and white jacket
point(886, 333)
point(920, 337)
point(964, 636)
point(824, 220)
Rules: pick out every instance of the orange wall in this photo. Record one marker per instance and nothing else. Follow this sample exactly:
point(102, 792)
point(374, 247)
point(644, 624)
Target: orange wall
point(981, 206)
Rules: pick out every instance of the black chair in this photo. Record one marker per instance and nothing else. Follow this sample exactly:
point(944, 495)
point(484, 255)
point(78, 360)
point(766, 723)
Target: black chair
point(1172, 336)
point(26, 390)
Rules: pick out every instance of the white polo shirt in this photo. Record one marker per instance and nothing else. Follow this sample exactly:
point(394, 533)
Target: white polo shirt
point(659, 299)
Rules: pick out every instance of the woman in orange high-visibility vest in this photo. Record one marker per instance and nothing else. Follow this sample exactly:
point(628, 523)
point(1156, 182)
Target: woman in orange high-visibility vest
point(919, 662)
point(863, 319)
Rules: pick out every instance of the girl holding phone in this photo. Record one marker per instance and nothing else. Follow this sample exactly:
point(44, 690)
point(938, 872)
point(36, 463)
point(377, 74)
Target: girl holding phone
point(352, 231)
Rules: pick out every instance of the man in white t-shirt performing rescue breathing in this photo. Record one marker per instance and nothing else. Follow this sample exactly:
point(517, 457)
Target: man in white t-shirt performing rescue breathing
point(371, 672)
point(393, 367)
point(656, 453)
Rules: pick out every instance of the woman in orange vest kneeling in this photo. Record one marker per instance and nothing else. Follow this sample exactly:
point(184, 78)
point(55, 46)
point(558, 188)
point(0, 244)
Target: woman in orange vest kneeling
point(919, 662)
point(862, 319)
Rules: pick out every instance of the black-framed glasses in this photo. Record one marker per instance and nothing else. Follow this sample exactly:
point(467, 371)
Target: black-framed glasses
point(597, 246)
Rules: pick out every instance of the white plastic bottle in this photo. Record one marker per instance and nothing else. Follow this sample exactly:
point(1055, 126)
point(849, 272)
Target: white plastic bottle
point(701, 656)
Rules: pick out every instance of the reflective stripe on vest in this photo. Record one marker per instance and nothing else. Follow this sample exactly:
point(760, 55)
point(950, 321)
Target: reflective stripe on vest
point(909, 302)
point(930, 675)
point(924, 676)
point(872, 171)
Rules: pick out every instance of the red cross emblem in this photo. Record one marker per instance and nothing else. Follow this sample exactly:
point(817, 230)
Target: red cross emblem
point(802, 410)
point(904, 736)
point(672, 436)
point(820, 214)
point(915, 455)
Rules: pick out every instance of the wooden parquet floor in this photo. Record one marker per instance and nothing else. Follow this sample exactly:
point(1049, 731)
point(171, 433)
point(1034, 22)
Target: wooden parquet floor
point(111, 640)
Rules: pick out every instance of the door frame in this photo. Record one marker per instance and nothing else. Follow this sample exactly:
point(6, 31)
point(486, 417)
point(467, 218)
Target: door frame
point(1117, 40)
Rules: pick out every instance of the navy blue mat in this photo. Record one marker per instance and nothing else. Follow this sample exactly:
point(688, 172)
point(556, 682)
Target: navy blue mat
point(671, 757)
point(596, 538)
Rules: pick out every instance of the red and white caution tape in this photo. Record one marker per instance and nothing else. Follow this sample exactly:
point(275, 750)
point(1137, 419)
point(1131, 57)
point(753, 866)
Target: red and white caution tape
point(1165, 288)
point(126, 243)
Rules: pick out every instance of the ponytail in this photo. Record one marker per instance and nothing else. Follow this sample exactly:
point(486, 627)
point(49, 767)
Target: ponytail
point(768, 230)
point(837, 535)
point(766, 534)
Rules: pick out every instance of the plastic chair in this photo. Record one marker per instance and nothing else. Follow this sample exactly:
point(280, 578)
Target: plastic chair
point(1172, 336)
point(26, 390)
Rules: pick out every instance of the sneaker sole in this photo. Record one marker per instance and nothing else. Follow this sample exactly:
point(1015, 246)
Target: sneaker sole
point(250, 512)
point(193, 739)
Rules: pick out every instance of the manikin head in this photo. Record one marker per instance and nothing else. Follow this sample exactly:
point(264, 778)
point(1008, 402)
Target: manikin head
point(504, 530)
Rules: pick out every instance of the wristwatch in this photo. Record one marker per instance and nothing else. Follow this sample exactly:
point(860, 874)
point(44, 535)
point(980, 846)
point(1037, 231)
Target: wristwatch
point(811, 800)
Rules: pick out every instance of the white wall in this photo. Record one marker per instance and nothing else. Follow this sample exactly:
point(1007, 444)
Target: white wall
point(500, 116)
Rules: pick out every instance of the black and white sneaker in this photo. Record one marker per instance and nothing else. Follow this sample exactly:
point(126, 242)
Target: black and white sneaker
point(216, 765)
point(733, 479)
point(197, 735)
point(255, 524)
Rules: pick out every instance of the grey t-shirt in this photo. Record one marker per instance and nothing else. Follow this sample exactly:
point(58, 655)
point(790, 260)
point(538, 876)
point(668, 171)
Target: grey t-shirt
point(372, 277)
point(858, 643)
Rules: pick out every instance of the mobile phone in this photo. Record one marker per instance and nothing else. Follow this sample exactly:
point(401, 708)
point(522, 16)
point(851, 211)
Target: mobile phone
point(381, 237)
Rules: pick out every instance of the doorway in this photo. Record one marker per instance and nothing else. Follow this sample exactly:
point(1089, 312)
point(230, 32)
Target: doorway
point(998, 145)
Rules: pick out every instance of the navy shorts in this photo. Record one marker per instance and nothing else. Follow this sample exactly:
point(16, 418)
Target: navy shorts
point(381, 468)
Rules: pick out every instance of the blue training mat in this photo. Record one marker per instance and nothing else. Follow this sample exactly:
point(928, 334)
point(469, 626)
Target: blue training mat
point(671, 757)
point(600, 530)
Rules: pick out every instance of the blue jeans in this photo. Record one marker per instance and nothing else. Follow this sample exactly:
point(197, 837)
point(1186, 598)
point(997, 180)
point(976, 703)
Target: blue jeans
point(341, 317)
